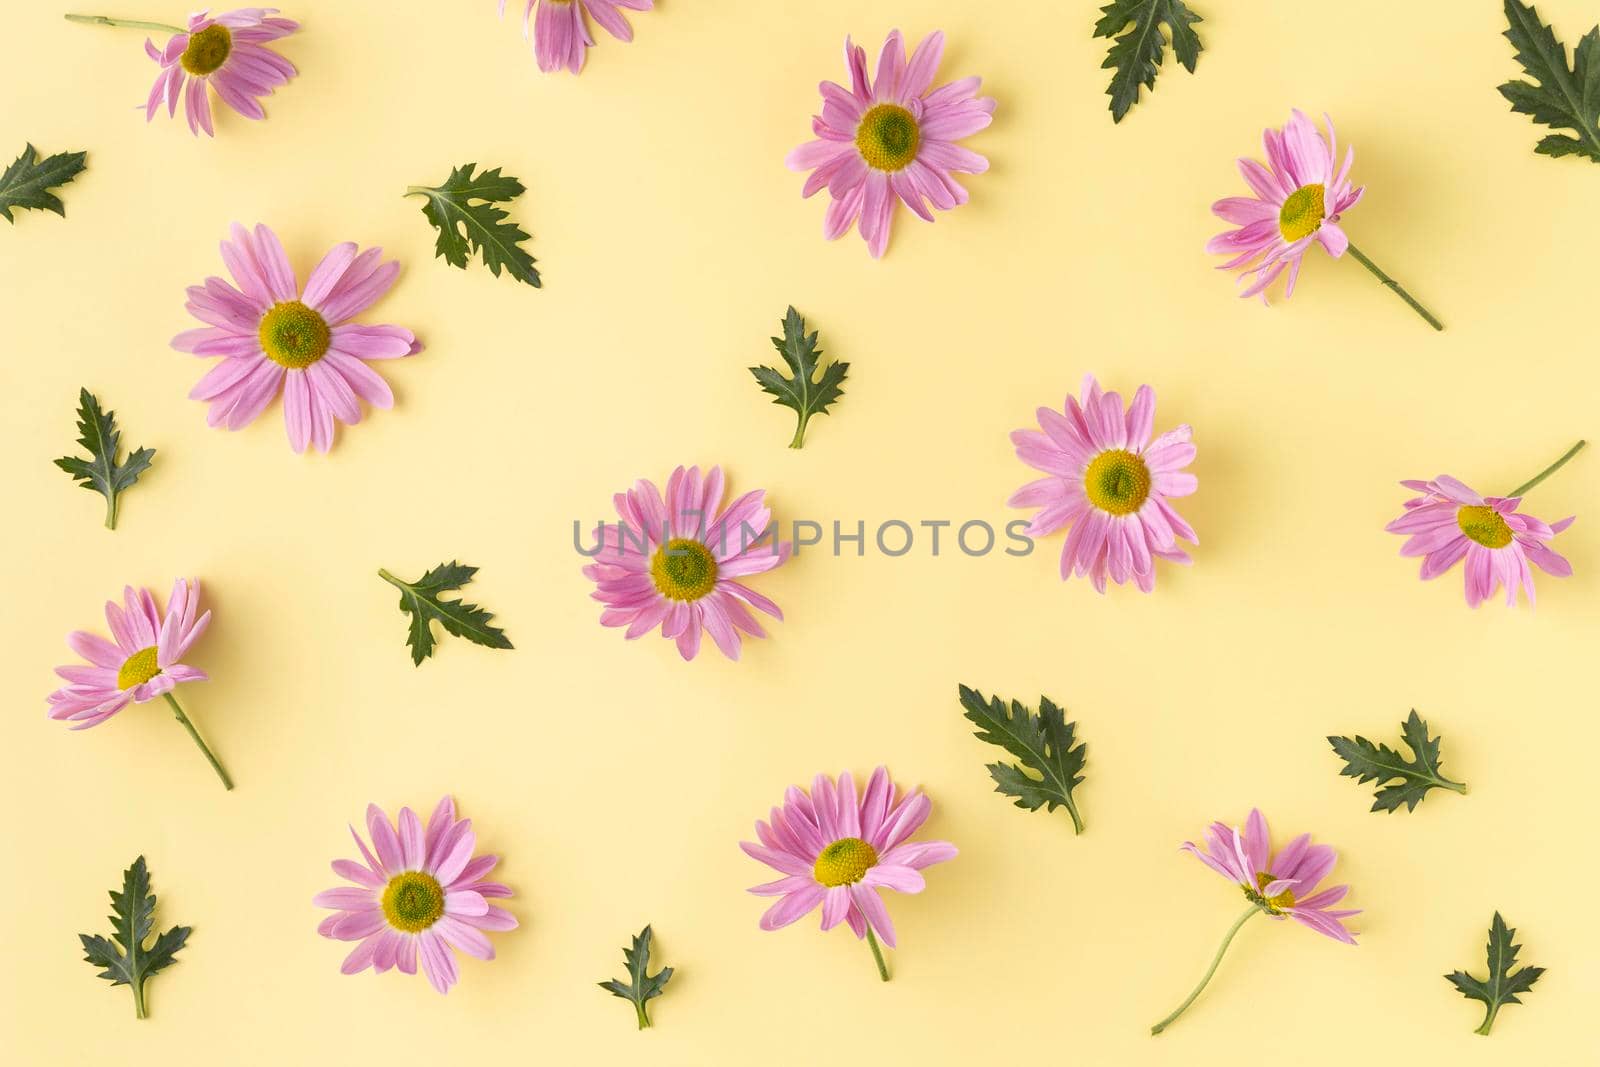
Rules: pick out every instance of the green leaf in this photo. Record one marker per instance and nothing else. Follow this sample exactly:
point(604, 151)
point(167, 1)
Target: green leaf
point(102, 472)
point(1138, 53)
point(803, 392)
point(463, 211)
point(1366, 762)
point(28, 181)
point(124, 958)
point(1564, 98)
point(421, 600)
point(641, 986)
point(1043, 742)
point(1503, 984)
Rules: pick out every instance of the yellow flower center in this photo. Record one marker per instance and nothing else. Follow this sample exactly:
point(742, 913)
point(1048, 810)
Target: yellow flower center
point(683, 569)
point(1275, 904)
point(412, 901)
point(1301, 213)
point(207, 50)
point(1484, 525)
point(888, 137)
point(138, 668)
point(294, 336)
point(1117, 481)
point(844, 862)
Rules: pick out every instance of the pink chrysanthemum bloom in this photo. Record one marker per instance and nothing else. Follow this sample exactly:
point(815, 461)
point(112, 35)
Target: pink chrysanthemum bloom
point(1280, 886)
point(144, 663)
point(892, 140)
point(675, 562)
point(1110, 482)
point(561, 35)
point(422, 895)
point(837, 850)
point(275, 336)
point(1300, 193)
point(226, 53)
point(1450, 521)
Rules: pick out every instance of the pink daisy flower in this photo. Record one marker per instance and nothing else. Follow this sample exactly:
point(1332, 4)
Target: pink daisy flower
point(421, 895)
point(275, 336)
point(1450, 522)
point(836, 849)
point(1300, 194)
point(1110, 482)
point(145, 662)
point(1279, 886)
point(674, 562)
point(560, 32)
point(892, 140)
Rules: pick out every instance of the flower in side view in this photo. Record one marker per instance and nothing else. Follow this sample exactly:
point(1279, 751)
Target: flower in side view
point(419, 893)
point(1300, 193)
point(1451, 522)
point(675, 563)
point(892, 140)
point(1110, 482)
point(142, 662)
point(837, 849)
point(1279, 885)
point(274, 336)
point(560, 31)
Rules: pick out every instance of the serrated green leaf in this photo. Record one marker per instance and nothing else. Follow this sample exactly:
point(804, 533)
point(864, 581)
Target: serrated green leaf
point(463, 211)
point(421, 601)
point(102, 472)
point(1503, 984)
point(1045, 743)
point(1138, 53)
point(803, 392)
point(1367, 762)
point(642, 986)
point(1564, 98)
point(125, 959)
point(27, 182)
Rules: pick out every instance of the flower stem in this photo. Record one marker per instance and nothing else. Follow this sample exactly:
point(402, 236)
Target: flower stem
point(127, 24)
point(1548, 471)
point(227, 783)
point(1398, 291)
point(877, 954)
point(1226, 941)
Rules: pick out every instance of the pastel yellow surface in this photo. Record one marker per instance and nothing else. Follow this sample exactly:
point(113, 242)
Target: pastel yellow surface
point(615, 779)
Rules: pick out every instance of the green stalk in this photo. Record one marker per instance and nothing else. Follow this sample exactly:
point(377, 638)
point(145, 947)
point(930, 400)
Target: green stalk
point(1548, 471)
point(227, 783)
point(126, 24)
point(1226, 941)
point(1394, 285)
point(877, 954)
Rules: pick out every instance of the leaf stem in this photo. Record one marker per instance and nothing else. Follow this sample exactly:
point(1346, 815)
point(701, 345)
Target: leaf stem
point(644, 1016)
point(1226, 941)
point(799, 434)
point(1398, 290)
point(1072, 810)
point(391, 579)
point(126, 24)
point(1488, 1020)
point(139, 1010)
point(877, 954)
point(111, 510)
point(1548, 471)
point(227, 783)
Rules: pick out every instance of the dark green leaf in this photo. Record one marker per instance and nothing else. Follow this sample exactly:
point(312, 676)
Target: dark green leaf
point(1043, 742)
point(641, 986)
point(28, 181)
point(124, 958)
point(1564, 98)
point(803, 391)
point(1503, 984)
point(463, 211)
point(1366, 762)
point(1137, 54)
point(420, 600)
point(102, 472)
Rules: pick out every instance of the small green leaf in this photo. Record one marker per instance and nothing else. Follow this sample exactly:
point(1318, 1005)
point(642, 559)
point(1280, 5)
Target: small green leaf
point(1045, 743)
point(1138, 53)
point(1503, 984)
point(641, 986)
point(102, 472)
point(421, 600)
point(1366, 762)
point(127, 961)
point(803, 392)
point(28, 181)
point(1564, 98)
point(463, 211)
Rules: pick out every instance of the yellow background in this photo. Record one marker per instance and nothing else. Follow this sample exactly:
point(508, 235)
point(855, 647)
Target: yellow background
point(615, 779)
